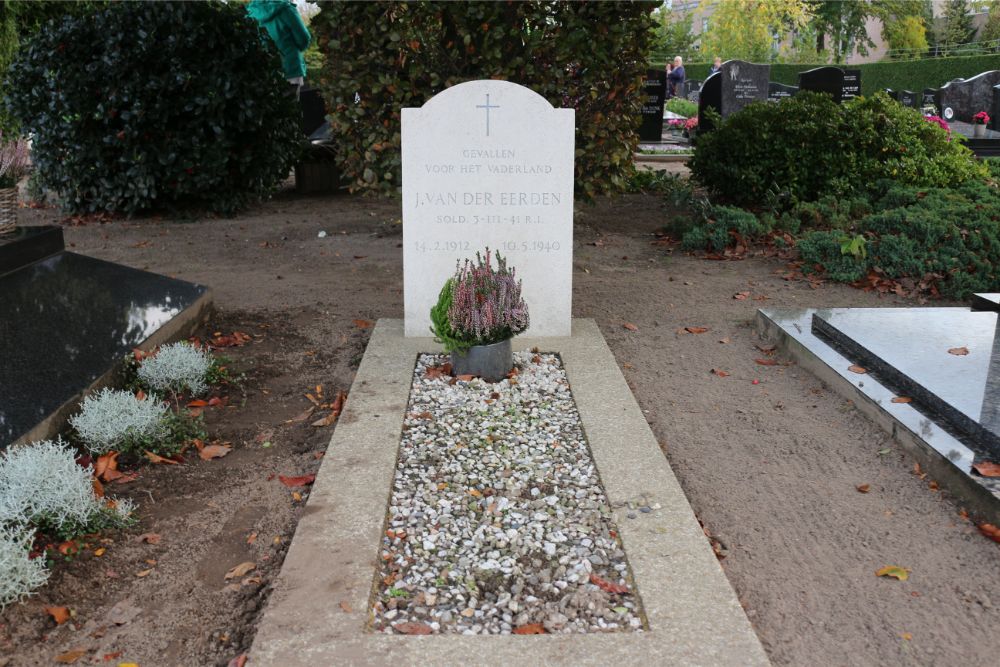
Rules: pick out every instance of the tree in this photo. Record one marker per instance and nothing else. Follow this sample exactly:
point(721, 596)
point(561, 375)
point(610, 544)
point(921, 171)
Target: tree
point(753, 29)
point(990, 34)
point(908, 36)
point(958, 28)
point(673, 34)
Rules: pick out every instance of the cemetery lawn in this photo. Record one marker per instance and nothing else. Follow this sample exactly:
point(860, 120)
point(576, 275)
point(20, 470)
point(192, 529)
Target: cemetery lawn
point(770, 468)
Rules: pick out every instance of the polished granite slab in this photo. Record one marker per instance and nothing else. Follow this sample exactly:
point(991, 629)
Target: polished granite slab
point(986, 301)
point(942, 450)
point(68, 319)
point(29, 244)
point(909, 348)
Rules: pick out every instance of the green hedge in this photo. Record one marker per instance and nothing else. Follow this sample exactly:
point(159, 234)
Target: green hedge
point(899, 75)
point(384, 56)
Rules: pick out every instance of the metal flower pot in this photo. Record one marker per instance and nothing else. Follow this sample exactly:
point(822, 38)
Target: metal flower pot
point(490, 362)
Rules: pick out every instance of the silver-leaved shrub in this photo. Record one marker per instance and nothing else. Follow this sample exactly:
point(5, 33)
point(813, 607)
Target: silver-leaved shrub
point(20, 574)
point(175, 368)
point(114, 420)
point(43, 486)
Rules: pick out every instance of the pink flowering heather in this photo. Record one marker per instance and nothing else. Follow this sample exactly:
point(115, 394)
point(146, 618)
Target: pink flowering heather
point(486, 303)
point(14, 160)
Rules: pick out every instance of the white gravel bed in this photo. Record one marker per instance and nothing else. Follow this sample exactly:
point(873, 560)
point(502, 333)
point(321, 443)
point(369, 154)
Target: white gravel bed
point(498, 522)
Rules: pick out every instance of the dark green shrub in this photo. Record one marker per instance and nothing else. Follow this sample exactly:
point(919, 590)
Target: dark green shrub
point(827, 251)
point(806, 147)
point(156, 104)
point(723, 227)
point(682, 107)
point(589, 56)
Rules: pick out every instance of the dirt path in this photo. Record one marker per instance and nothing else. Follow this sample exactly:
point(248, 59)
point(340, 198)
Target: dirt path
point(770, 468)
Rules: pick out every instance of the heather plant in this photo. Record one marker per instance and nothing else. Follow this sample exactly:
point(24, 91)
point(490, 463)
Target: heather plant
point(176, 368)
point(114, 420)
point(43, 486)
point(486, 305)
point(15, 160)
point(20, 574)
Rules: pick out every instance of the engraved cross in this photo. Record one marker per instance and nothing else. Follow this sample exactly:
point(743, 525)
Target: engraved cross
point(487, 106)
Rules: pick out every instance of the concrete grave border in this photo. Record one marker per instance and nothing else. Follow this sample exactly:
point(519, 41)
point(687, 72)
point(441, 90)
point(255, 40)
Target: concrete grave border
point(319, 611)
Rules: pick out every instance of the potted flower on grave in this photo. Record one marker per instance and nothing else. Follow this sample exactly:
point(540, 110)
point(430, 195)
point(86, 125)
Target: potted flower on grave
point(479, 311)
point(14, 164)
point(979, 123)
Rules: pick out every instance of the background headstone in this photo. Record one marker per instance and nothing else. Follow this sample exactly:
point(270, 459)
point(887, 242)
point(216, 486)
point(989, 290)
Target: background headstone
point(964, 98)
point(692, 86)
point(489, 163)
point(654, 91)
point(995, 110)
point(829, 80)
point(779, 91)
point(734, 86)
point(852, 84)
point(929, 97)
point(908, 98)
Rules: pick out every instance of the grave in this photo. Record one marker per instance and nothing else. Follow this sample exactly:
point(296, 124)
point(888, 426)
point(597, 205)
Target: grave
point(736, 84)
point(779, 91)
point(691, 87)
point(329, 603)
point(67, 321)
point(489, 163)
point(908, 98)
point(937, 393)
point(961, 99)
point(852, 84)
point(995, 110)
point(829, 80)
point(929, 97)
point(654, 91)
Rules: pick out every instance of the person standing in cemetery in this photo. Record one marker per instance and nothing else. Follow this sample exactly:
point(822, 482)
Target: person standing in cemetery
point(675, 77)
point(716, 66)
point(282, 21)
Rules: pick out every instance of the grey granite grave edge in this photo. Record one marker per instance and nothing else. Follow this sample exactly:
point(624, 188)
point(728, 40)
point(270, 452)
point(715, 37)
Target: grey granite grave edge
point(180, 326)
point(319, 610)
point(945, 458)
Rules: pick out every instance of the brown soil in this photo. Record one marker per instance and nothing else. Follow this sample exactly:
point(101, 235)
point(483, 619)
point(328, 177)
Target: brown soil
point(771, 468)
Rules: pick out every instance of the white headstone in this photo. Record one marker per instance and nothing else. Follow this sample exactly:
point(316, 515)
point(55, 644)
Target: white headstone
point(489, 163)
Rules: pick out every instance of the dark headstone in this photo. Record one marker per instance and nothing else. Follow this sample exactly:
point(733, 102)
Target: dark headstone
point(313, 110)
point(710, 97)
point(908, 98)
point(734, 86)
point(995, 110)
point(779, 91)
point(829, 80)
point(931, 97)
point(654, 90)
point(66, 321)
point(891, 93)
point(691, 86)
point(852, 84)
point(963, 98)
point(28, 244)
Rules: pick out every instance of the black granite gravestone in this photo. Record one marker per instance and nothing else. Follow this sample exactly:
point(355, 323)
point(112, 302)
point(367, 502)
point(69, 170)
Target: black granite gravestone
point(654, 90)
point(28, 244)
point(779, 91)
point(852, 84)
point(734, 86)
point(930, 97)
point(891, 93)
point(908, 98)
point(963, 98)
point(313, 110)
point(995, 110)
point(691, 86)
point(66, 320)
point(829, 80)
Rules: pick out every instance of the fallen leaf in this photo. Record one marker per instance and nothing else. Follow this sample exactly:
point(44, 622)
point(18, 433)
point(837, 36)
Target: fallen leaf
point(238, 661)
point(465, 377)
point(907, 636)
point(301, 480)
point(987, 469)
point(630, 326)
point(444, 370)
point(197, 403)
point(902, 399)
point(144, 573)
point(100, 552)
point(108, 657)
point(860, 370)
point(68, 548)
point(296, 496)
point(59, 614)
point(241, 569)
point(346, 606)
point(303, 416)
point(864, 488)
point(156, 458)
point(98, 487)
point(740, 296)
point(476, 493)
point(338, 405)
point(140, 395)
point(104, 464)
point(148, 538)
point(216, 401)
point(530, 629)
point(607, 586)
point(696, 330)
point(413, 628)
point(990, 531)
point(894, 571)
point(362, 324)
point(766, 362)
point(209, 452)
point(70, 657)
point(959, 351)
point(720, 373)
